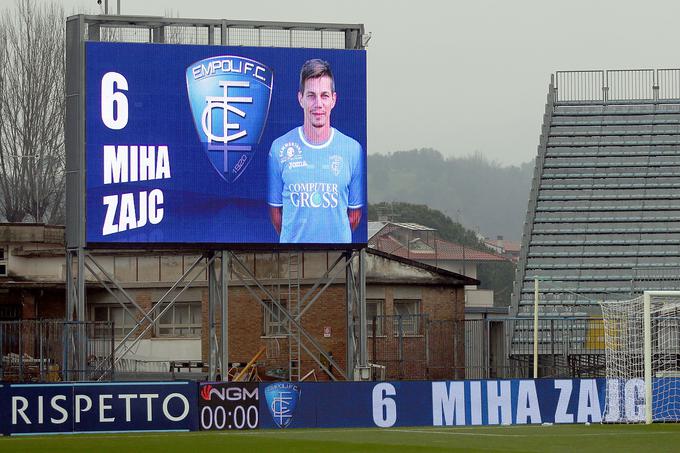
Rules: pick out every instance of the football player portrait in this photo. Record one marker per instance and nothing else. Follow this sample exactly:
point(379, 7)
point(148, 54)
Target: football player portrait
point(315, 190)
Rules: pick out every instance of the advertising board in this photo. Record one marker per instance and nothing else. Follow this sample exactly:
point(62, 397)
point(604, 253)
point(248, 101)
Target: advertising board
point(425, 403)
point(98, 407)
point(223, 145)
point(191, 406)
point(228, 405)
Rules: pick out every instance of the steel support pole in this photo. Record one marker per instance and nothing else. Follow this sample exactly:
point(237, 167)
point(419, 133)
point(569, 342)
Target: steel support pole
point(536, 295)
point(69, 352)
point(224, 327)
point(70, 289)
point(284, 311)
point(349, 301)
point(82, 340)
point(212, 306)
point(363, 353)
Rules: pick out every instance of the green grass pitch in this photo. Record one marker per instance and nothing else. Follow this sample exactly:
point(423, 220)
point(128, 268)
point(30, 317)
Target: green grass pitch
point(563, 438)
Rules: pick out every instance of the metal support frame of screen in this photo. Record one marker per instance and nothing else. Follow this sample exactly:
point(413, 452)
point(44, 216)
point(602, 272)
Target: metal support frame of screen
point(82, 28)
point(238, 226)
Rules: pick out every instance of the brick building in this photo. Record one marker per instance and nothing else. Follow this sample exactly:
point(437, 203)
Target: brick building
point(32, 286)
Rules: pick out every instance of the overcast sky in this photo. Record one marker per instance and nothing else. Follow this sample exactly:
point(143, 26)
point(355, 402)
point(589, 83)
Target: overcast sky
point(463, 76)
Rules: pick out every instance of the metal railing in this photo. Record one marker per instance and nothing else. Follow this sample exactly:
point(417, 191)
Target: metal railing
point(638, 84)
point(579, 85)
point(33, 350)
point(486, 348)
point(567, 347)
point(168, 30)
point(617, 86)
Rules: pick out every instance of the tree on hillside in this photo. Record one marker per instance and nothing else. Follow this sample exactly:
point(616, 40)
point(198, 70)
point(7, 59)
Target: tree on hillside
point(32, 112)
point(473, 190)
point(446, 228)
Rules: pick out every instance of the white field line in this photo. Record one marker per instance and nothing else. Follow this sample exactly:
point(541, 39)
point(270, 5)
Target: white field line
point(457, 433)
point(453, 431)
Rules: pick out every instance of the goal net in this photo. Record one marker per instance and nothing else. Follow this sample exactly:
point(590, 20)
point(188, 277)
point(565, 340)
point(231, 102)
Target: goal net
point(642, 351)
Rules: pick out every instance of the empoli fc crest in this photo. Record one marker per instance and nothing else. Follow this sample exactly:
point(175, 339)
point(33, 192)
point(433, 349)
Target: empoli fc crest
point(282, 399)
point(229, 97)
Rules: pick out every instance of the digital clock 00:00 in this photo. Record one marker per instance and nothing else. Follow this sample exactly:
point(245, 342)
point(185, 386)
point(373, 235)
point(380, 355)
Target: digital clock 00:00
point(229, 406)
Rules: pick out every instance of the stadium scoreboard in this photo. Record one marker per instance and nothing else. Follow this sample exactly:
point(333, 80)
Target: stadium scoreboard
point(178, 141)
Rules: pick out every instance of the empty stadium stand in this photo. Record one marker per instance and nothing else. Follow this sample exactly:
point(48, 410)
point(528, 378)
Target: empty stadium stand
point(603, 220)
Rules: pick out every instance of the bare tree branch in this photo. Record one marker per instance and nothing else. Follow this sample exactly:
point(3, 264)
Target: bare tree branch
point(32, 106)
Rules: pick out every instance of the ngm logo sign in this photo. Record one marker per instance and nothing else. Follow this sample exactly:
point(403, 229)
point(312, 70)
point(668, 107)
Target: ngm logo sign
point(229, 97)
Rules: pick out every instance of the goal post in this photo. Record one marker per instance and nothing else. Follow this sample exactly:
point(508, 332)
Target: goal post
point(642, 350)
point(647, 326)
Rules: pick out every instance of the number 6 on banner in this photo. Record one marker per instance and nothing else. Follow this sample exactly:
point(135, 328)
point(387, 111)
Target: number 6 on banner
point(384, 408)
point(114, 103)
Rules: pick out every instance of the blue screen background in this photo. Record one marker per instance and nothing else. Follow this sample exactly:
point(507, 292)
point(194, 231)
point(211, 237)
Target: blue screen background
point(200, 206)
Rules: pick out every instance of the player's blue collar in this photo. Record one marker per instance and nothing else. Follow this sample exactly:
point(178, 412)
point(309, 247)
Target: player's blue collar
point(322, 145)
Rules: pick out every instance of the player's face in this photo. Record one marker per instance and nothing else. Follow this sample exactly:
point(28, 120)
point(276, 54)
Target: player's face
point(317, 101)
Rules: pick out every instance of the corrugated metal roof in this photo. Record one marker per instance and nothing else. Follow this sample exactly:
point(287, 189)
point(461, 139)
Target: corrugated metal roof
point(413, 226)
point(445, 250)
point(374, 227)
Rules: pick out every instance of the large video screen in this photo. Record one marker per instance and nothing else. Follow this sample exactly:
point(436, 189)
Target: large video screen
point(225, 145)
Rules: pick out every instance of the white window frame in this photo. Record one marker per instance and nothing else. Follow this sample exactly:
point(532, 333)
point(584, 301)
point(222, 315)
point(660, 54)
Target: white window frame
point(271, 327)
point(118, 330)
point(4, 252)
point(379, 313)
point(176, 329)
point(410, 319)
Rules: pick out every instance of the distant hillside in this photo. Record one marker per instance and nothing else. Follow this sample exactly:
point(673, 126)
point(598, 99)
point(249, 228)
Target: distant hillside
point(493, 275)
point(446, 228)
point(480, 194)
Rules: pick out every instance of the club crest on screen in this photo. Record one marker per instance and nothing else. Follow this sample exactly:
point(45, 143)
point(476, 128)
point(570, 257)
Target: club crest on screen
point(282, 399)
point(229, 97)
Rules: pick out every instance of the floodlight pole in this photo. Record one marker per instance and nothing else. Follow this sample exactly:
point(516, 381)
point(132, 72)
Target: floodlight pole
point(106, 7)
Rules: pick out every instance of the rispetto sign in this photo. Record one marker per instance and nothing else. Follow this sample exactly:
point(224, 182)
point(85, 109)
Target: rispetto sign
point(223, 145)
point(97, 407)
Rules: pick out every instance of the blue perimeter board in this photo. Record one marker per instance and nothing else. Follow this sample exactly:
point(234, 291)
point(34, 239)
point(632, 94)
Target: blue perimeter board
point(177, 405)
point(98, 407)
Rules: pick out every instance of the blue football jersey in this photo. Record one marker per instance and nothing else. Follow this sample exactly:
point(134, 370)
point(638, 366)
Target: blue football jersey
point(315, 185)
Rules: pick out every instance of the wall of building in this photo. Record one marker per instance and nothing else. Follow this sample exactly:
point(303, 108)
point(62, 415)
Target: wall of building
point(246, 330)
point(147, 277)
